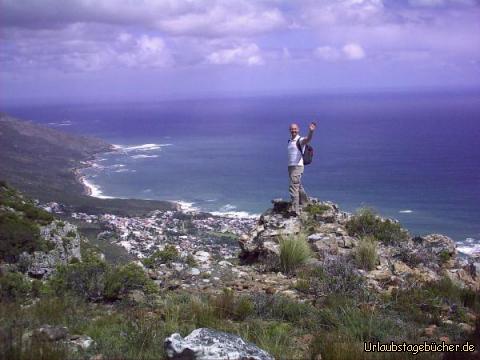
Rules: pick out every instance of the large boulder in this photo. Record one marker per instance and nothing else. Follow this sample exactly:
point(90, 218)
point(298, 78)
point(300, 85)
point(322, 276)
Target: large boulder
point(440, 244)
point(208, 344)
point(63, 241)
point(263, 241)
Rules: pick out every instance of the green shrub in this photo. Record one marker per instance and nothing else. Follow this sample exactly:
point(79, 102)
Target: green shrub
point(36, 214)
point(93, 279)
point(281, 308)
point(367, 223)
point(14, 286)
point(16, 236)
point(225, 303)
point(121, 280)
point(316, 209)
point(190, 260)
point(366, 253)
point(244, 308)
point(444, 257)
point(424, 303)
point(294, 251)
point(334, 277)
point(85, 279)
point(71, 234)
point(363, 223)
point(165, 256)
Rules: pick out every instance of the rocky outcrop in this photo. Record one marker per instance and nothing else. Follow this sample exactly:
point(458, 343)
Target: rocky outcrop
point(63, 242)
point(420, 259)
point(277, 222)
point(208, 344)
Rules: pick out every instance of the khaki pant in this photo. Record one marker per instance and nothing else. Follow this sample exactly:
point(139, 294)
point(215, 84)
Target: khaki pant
point(297, 193)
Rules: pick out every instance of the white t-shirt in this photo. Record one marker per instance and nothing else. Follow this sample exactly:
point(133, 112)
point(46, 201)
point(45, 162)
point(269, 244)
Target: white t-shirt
point(294, 155)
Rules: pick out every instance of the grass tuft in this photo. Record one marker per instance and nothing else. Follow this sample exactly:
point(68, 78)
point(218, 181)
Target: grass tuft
point(294, 251)
point(366, 253)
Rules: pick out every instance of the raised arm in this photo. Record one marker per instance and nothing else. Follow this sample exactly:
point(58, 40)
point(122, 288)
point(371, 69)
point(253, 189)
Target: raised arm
point(311, 129)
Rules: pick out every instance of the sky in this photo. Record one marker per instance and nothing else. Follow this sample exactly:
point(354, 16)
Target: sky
point(56, 50)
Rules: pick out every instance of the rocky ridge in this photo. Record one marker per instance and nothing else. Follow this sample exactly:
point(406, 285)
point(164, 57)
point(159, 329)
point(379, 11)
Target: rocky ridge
point(424, 259)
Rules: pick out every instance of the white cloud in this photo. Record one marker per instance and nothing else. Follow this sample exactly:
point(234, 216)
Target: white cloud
point(73, 49)
point(146, 51)
point(223, 19)
point(353, 51)
point(426, 2)
point(435, 3)
point(332, 12)
point(178, 17)
point(327, 53)
point(350, 51)
point(246, 54)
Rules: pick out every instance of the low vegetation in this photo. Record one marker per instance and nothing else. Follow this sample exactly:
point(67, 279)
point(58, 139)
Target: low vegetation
point(316, 209)
point(366, 253)
point(93, 279)
point(19, 224)
point(333, 278)
point(335, 325)
point(367, 223)
point(167, 255)
point(294, 251)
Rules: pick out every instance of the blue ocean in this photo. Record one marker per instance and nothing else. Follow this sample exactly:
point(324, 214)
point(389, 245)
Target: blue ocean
point(411, 156)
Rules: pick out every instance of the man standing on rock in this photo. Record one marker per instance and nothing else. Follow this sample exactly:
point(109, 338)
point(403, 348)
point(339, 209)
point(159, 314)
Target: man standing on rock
point(295, 166)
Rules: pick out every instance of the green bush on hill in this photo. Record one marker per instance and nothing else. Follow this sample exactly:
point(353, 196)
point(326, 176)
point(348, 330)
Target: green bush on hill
point(165, 256)
point(11, 198)
point(122, 279)
point(316, 209)
point(367, 223)
point(94, 279)
point(334, 277)
point(17, 235)
point(85, 279)
point(19, 220)
point(14, 286)
point(424, 303)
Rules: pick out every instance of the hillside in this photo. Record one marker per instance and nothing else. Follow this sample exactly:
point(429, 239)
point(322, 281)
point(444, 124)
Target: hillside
point(40, 161)
point(309, 287)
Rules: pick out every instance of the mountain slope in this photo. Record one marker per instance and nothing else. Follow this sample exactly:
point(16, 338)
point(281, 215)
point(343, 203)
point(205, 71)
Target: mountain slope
point(40, 161)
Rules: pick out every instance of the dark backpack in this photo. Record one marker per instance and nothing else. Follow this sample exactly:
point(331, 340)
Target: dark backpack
point(307, 155)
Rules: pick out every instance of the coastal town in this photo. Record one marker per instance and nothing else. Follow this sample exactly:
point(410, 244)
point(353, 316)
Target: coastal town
point(189, 231)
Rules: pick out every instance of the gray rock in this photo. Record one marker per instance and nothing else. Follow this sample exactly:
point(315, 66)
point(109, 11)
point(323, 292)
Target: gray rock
point(280, 206)
point(136, 296)
point(474, 268)
point(315, 237)
point(439, 243)
point(82, 342)
point(65, 246)
point(50, 333)
point(194, 271)
point(208, 344)
point(263, 241)
point(202, 256)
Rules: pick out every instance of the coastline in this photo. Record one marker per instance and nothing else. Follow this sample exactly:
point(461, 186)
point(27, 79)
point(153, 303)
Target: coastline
point(89, 188)
point(467, 246)
point(92, 190)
